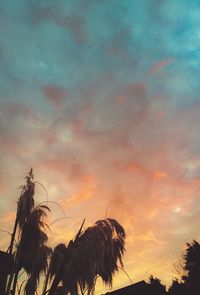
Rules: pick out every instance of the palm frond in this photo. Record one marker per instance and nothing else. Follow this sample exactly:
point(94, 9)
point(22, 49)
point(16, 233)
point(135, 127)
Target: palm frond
point(33, 251)
point(94, 252)
point(56, 259)
point(26, 201)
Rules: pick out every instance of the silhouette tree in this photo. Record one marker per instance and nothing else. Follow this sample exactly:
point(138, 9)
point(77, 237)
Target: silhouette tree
point(31, 251)
point(192, 268)
point(177, 288)
point(56, 259)
point(94, 252)
point(24, 207)
point(156, 287)
point(26, 201)
point(6, 265)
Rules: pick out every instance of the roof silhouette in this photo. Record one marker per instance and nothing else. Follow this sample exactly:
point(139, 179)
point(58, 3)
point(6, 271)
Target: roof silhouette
point(140, 288)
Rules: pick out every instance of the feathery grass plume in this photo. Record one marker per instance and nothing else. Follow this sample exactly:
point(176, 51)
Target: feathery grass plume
point(56, 259)
point(33, 252)
point(95, 252)
point(25, 206)
point(55, 262)
point(26, 201)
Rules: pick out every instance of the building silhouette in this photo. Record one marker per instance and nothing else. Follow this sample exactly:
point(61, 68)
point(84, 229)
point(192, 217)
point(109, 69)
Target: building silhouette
point(140, 288)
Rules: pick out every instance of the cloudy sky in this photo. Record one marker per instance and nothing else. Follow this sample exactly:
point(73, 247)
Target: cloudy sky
point(101, 98)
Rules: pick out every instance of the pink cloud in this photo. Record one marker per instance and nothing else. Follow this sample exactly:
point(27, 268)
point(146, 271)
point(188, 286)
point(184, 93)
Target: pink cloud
point(55, 94)
point(138, 90)
point(134, 100)
point(17, 109)
point(120, 99)
point(160, 65)
point(64, 166)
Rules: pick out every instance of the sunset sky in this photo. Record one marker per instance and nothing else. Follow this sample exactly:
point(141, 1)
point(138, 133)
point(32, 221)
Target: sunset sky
point(101, 98)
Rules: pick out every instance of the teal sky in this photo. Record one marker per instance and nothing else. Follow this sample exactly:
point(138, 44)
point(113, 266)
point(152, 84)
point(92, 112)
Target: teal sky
point(101, 98)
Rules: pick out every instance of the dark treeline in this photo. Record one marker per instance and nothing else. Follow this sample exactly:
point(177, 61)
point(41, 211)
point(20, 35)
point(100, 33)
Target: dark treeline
point(188, 282)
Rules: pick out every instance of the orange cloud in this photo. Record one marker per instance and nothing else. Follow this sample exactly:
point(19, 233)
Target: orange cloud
point(85, 192)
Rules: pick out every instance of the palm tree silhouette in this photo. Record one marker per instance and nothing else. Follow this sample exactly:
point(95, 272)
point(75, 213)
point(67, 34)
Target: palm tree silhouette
point(94, 252)
point(31, 252)
point(24, 207)
point(56, 259)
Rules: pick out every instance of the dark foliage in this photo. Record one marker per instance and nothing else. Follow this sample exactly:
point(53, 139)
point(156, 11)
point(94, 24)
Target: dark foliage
point(94, 252)
point(156, 287)
point(33, 252)
point(56, 259)
point(178, 288)
point(192, 267)
point(26, 201)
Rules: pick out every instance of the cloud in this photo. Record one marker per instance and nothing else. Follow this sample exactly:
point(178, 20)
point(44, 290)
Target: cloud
point(55, 94)
point(73, 22)
point(155, 69)
point(101, 130)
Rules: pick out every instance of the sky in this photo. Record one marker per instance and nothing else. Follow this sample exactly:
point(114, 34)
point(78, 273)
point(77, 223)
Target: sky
point(101, 98)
